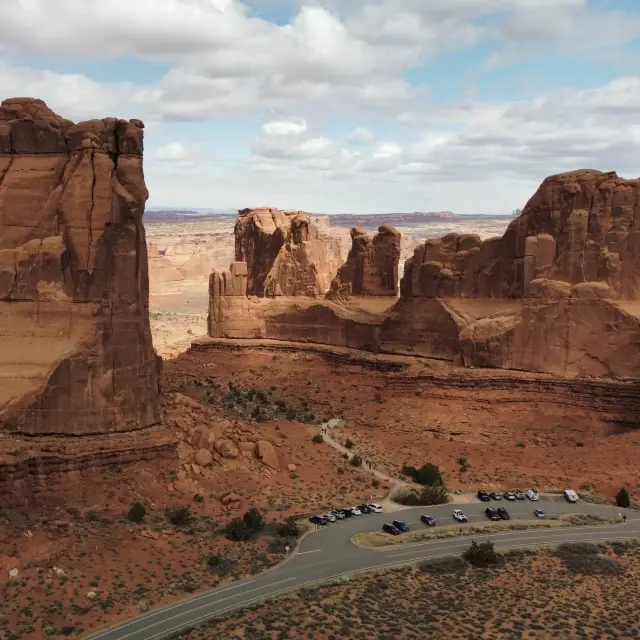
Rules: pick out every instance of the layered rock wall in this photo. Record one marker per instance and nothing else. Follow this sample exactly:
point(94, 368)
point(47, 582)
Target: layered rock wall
point(76, 355)
point(371, 268)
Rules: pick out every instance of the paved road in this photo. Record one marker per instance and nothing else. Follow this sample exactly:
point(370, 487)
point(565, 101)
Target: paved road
point(329, 553)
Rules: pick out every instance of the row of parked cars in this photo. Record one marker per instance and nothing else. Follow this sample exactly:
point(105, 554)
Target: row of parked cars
point(486, 496)
point(348, 512)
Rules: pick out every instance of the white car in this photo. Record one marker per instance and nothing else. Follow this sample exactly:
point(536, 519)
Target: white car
point(459, 516)
point(571, 496)
point(355, 511)
point(532, 495)
point(329, 516)
point(375, 508)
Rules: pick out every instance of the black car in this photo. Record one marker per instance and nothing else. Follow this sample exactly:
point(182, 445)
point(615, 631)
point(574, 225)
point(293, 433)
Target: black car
point(321, 520)
point(483, 496)
point(492, 513)
point(401, 526)
point(428, 520)
point(389, 528)
point(364, 508)
point(347, 513)
point(503, 513)
point(496, 495)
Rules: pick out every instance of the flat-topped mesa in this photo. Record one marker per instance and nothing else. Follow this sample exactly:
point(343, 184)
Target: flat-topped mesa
point(285, 253)
point(580, 226)
point(77, 356)
point(371, 268)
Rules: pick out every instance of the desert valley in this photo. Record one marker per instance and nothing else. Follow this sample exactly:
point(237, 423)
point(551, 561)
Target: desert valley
point(182, 396)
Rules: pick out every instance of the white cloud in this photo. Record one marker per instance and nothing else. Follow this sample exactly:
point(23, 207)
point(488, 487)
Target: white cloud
point(294, 126)
point(360, 135)
point(176, 153)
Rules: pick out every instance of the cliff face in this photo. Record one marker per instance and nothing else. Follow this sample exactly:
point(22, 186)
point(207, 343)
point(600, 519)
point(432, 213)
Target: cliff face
point(285, 253)
point(76, 355)
point(371, 268)
point(580, 226)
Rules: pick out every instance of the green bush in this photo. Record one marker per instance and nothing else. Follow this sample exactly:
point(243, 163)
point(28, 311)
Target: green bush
point(623, 499)
point(136, 513)
point(355, 461)
point(219, 565)
point(179, 516)
point(289, 528)
point(428, 474)
point(348, 444)
point(428, 496)
point(317, 439)
point(481, 555)
point(245, 528)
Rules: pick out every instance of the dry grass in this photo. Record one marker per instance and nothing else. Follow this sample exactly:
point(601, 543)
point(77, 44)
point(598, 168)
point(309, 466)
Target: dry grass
point(376, 539)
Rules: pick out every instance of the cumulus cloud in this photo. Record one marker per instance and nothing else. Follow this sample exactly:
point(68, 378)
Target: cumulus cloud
point(178, 154)
point(360, 135)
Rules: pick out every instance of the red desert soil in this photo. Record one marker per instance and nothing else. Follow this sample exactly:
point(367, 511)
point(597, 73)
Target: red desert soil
point(514, 437)
point(533, 596)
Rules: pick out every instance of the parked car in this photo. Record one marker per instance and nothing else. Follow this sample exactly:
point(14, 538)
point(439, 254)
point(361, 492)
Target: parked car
point(364, 508)
point(346, 512)
point(510, 495)
point(520, 495)
point(533, 495)
point(329, 516)
point(496, 495)
point(338, 513)
point(492, 513)
point(539, 513)
point(570, 495)
point(483, 496)
point(389, 528)
point(321, 520)
point(428, 520)
point(459, 515)
point(375, 508)
point(401, 526)
point(503, 513)
point(355, 511)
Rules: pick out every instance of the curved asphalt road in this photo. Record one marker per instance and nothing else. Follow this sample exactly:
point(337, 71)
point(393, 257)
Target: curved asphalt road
point(329, 553)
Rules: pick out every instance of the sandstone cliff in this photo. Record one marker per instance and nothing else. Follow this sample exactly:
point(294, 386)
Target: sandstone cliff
point(580, 226)
point(371, 268)
point(285, 253)
point(76, 356)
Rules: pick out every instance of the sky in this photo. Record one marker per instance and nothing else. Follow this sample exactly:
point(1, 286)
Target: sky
point(342, 106)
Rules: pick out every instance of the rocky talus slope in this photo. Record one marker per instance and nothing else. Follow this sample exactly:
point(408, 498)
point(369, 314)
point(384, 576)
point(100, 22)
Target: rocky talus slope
point(76, 357)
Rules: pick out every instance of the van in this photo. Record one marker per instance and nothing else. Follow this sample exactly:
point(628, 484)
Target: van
point(570, 495)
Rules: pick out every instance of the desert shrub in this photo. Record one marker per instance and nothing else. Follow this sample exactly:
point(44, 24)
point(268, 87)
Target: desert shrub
point(584, 558)
point(441, 566)
point(136, 513)
point(356, 461)
point(464, 464)
point(482, 554)
point(375, 483)
point(289, 528)
point(219, 565)
point(623, 499)
point(428, 496)
point(428, 474)
point(245, 528)
point(279, 545)
point(349, 444)
point(179, 516)
point(317, 439)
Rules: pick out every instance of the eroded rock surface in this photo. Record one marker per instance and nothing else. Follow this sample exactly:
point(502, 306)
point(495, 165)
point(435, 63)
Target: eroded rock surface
point(371, 268)
point(76, 356)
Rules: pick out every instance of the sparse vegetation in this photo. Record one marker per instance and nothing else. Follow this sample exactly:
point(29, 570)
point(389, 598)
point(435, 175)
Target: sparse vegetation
point(464, 464)
point(428, 496)
point(245, 528)
point(585, 558)
point(179, 516)
point(219, 565)
point(349, 444)
point(317, 439)
point(355, 461)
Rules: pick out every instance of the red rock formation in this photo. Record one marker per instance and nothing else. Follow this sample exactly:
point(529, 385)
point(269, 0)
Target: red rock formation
point(284, 252)
point(77, 356)
point(579, 226)
point(371, 268)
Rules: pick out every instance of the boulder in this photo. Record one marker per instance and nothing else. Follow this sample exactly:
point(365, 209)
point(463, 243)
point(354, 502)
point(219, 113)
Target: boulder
point(267, 454)
point(227, 448)
point(182, 486)
point(203, 457)
point(291, 467)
